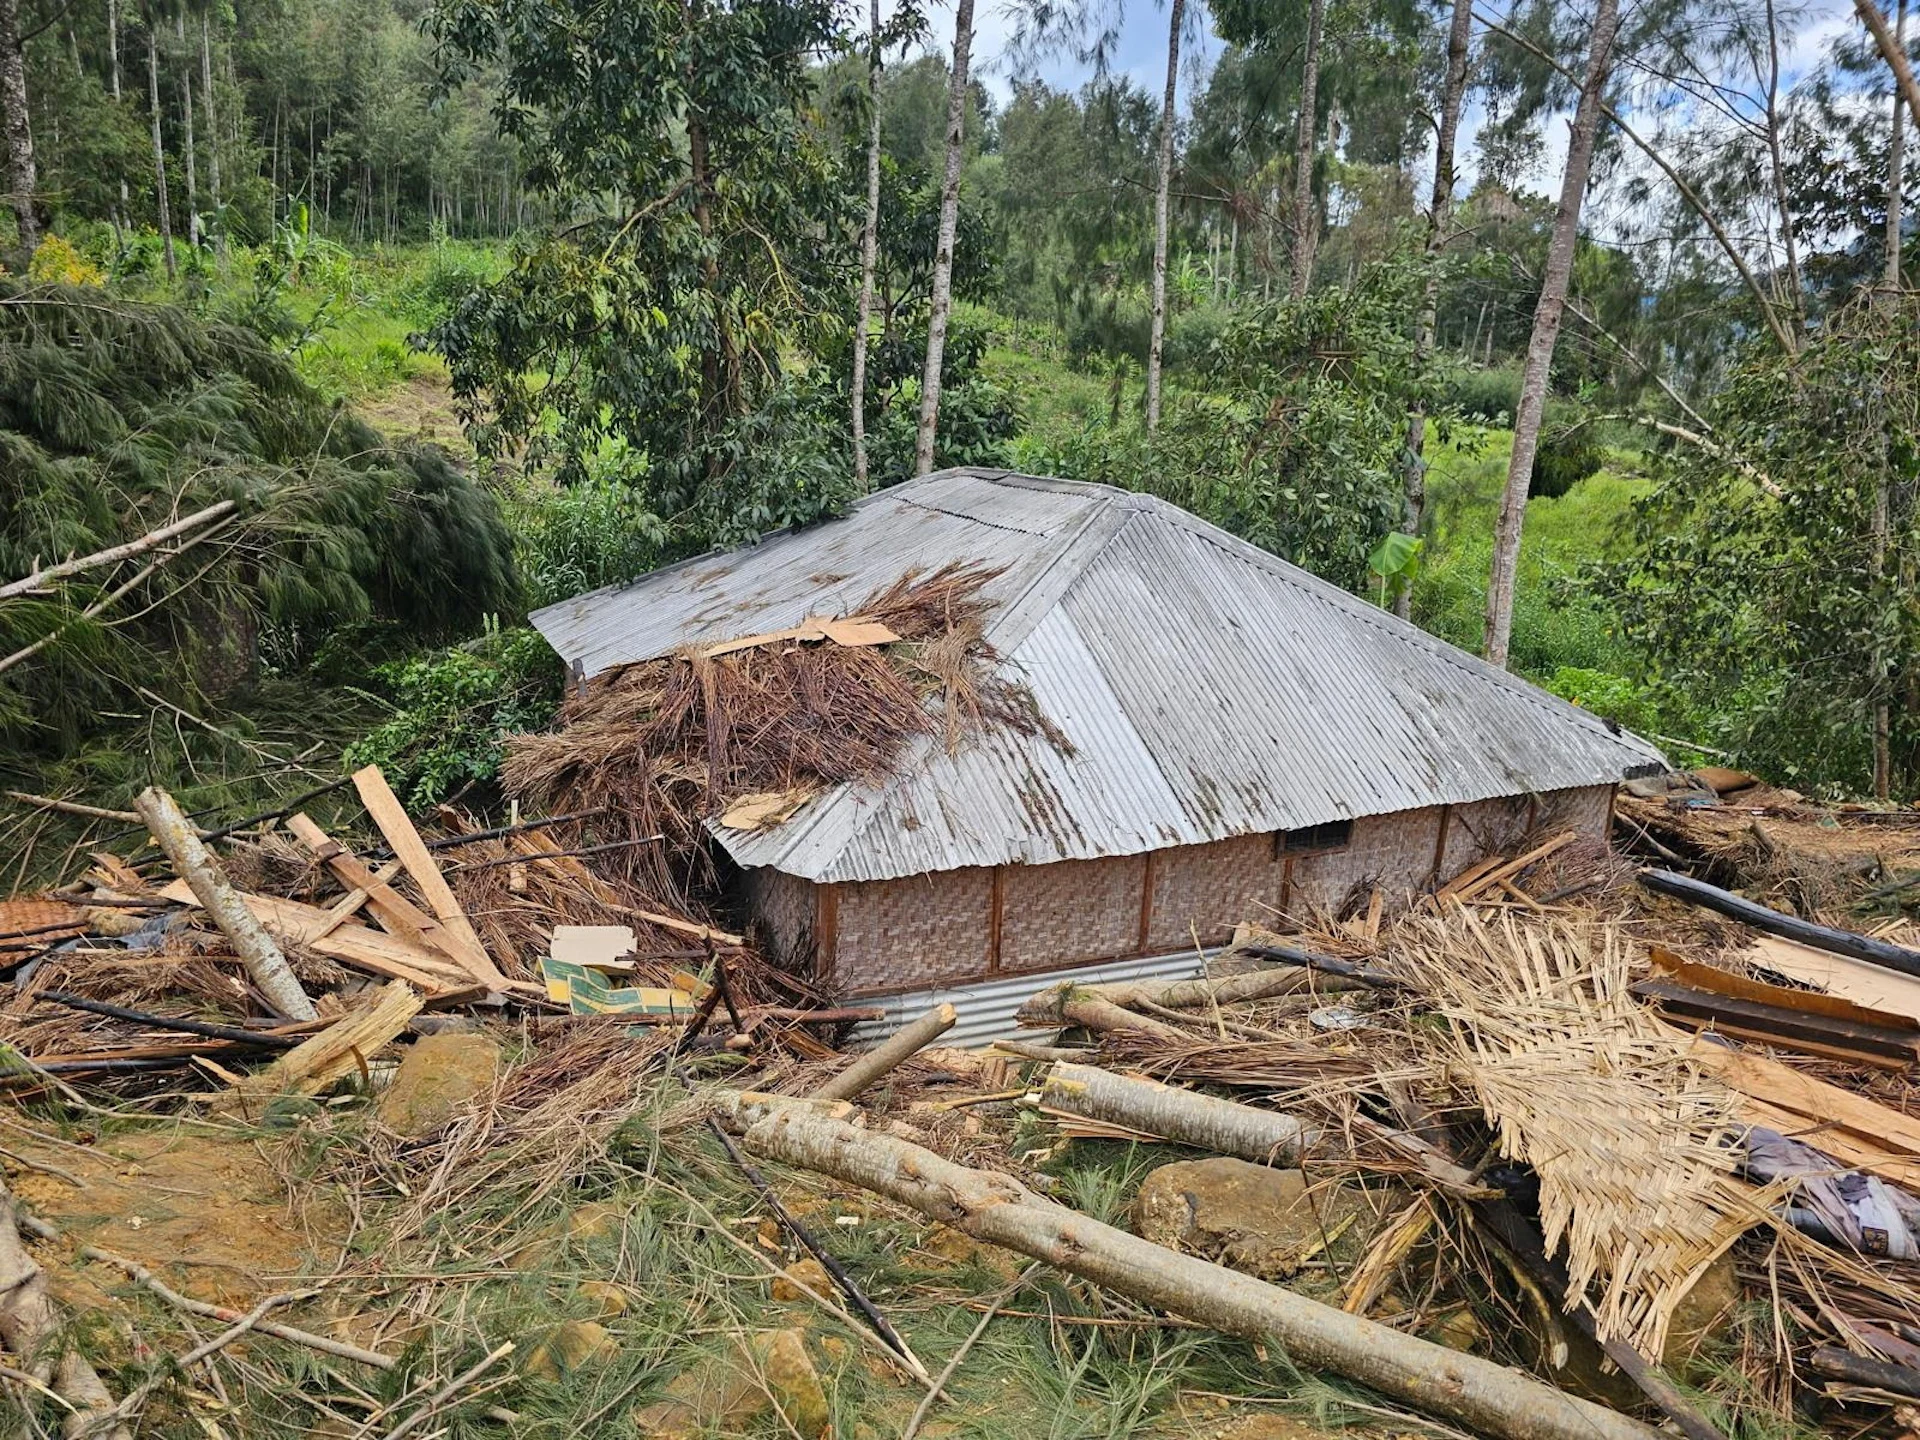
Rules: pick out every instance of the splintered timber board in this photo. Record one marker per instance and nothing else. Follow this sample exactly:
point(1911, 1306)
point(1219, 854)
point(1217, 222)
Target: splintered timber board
point(388, 813)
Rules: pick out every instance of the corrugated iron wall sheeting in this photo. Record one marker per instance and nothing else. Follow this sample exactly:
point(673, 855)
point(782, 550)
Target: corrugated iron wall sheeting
point(986, 1008)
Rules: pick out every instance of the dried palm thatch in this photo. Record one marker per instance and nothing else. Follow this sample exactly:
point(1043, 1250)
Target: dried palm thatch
point(1633, 1147)
point(661, 746)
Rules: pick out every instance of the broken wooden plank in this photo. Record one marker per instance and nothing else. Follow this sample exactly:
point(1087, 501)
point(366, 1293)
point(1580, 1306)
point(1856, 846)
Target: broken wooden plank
point(1515, 867)
point(210, 886)
point(348, 905)
point(331, 1055)
point(1839, 975)
point(356, 945)
point(1743, 987)
point(1780, 1084)
point(396, 914)
point(388, 813)
point(1791, 1028)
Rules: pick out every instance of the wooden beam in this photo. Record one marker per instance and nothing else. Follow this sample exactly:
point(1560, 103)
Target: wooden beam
point(388, 813)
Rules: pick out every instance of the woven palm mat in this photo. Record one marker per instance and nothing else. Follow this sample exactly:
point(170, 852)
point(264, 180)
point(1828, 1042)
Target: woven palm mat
point(1633, 1147)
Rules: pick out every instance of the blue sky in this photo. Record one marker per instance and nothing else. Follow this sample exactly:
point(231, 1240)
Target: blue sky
point(1141, 54)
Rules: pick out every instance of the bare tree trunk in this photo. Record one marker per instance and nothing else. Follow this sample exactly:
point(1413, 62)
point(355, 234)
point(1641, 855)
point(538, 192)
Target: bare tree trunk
point(1184, 1116)
point(1439, 226)
point(1546, 332)
point(30, 1327)
point(186, 113)
point(1896, 165)
point(1306, 234)
point(943, 252)
point(213, 137)
point(1796, 304)
point(909, 1041)
point(1177, 13)
point(1894, 54)
point(22, 182)
point(869, 257)
point(1882, 498)
point(159, 150)
point(1480, 1395)
point(195, 864)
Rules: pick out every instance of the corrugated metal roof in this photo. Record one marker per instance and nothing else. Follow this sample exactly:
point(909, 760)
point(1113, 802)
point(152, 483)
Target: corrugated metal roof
point(1208, 688)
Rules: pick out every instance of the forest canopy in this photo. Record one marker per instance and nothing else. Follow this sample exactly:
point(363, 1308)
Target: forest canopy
point(1630, 414)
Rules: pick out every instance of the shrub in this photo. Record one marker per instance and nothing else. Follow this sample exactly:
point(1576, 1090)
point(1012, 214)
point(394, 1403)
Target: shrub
point(453, 709)
point(1487, 395)
point(56, 262)
point(1568, 454)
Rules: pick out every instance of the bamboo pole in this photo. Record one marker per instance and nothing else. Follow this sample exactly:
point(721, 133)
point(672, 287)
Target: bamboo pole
point(1465, 1389)
point(1184, 1116)
point(210, 887)
point(907, 1042)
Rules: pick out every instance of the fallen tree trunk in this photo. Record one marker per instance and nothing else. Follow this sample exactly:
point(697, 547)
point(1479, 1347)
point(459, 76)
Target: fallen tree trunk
point(319, 1060)
point(210, 887)
point(1773, 922)
point(1089, 1008)
point(1184, 1116)
point(29, 1326)
point(907, 1042)
point(1470, 1391)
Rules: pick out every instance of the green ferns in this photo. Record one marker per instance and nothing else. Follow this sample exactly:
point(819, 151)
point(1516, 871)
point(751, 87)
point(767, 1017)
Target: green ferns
point(116, 417)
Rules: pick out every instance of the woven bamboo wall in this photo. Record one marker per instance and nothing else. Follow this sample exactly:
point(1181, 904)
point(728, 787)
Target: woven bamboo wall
point(965, 925)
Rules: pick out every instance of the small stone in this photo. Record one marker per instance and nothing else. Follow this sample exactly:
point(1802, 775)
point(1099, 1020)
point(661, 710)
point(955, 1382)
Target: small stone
point(1458, 1330)
point(834, 1348)
point(440, 1076)
point(595, 1221)
point(606, 1298)
point(809, 1273)
point(572, 1345)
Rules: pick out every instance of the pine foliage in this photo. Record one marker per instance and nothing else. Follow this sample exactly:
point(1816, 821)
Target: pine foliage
point(117, 416)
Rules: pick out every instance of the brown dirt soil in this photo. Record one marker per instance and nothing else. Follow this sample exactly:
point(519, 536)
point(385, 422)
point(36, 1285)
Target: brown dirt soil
point(418, 409)
point(210, 1215)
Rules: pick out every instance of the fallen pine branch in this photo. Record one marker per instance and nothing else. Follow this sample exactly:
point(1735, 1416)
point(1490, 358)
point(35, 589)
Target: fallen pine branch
point(1466, 1389)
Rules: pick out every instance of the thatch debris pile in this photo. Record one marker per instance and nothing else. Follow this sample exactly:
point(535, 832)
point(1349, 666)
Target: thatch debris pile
point(746, 732)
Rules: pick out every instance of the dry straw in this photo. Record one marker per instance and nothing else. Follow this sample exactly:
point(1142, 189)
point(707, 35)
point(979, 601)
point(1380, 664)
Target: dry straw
point(1634, 1149)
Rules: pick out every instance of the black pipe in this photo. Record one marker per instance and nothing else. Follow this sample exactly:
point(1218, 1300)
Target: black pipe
point(167, 1022)
point(1787, 927)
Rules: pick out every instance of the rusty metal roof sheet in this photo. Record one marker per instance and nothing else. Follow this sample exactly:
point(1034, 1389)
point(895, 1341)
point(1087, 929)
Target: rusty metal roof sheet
point(1208, 688)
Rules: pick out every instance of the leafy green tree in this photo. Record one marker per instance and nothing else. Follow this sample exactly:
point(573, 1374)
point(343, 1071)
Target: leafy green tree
point(1780, 589)
point(702, 235)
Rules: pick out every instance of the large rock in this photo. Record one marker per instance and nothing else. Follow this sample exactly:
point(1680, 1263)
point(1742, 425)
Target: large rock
point(734, 1395)
point(440, 1076)
point(1259, 1220)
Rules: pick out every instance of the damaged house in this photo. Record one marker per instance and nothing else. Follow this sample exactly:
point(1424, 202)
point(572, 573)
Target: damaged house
point(1230, 737)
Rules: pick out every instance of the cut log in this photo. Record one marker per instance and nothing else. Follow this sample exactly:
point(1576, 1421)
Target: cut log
point(1465, 1389)
point(209, 884)
point(335, 1052)
point(1183, 1116)
point(411, 851)
point(1071, 1004)
point(30, 1327)
point(1773, 922)
point(907, 1042)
